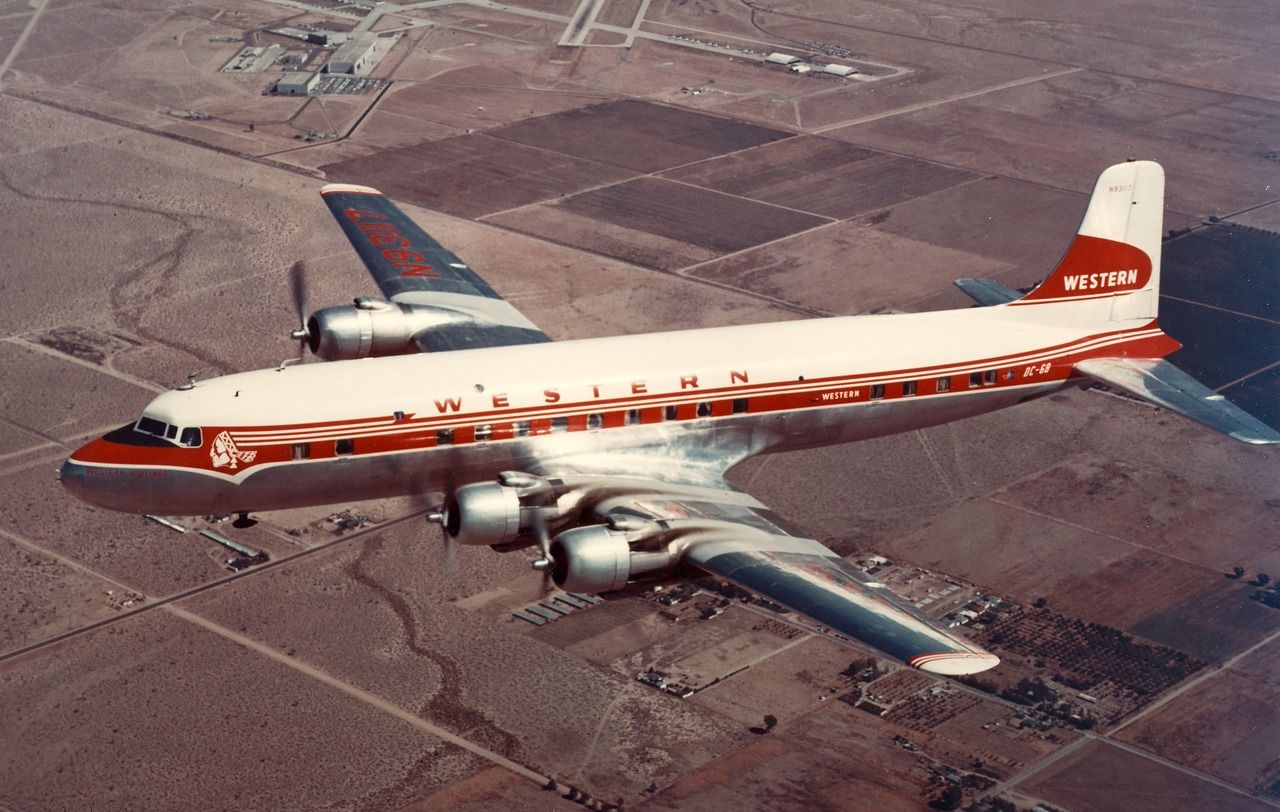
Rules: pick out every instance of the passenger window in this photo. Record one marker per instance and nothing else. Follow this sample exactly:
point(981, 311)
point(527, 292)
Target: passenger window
point(669, 413)
point(633, 417)
point(704, 409)
point(522, 428)
point(739, 405)
point(444, 436)
point(559, 424)
point(908, 388)
point(989, 377)
point(877, 391)
point(190, 437)
point(975, 380)
point(595, 421)
point(345, 446)
point(484, 432)
point(301, 451)
point(944, 384)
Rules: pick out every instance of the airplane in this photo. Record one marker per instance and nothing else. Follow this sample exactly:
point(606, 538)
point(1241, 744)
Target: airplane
point(610, 454)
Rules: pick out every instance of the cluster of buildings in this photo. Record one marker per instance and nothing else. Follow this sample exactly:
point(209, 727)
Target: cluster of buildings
point(657, 679)
point(803, 65)
point(355, 54)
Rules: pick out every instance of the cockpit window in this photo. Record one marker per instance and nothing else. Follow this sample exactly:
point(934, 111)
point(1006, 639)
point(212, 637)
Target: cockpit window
point(190, 437)
point(149, 425)
point(171, 432)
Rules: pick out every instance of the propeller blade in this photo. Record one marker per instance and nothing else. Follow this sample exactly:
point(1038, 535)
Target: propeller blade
point(450, 544)
point(298, 289)
point(298, 292)
point(538, 524)
point(450, 555)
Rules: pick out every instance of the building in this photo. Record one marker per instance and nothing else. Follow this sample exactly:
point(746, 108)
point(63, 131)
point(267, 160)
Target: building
point(295, 83)
point(778, 58)
point(801, 68)
point(356, 56)
point(839, 70)
point(254, 59)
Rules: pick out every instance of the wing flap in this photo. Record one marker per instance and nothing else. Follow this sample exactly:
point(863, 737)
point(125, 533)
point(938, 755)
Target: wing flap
point(987, 292)
point(1163, 384)
point(412, 268)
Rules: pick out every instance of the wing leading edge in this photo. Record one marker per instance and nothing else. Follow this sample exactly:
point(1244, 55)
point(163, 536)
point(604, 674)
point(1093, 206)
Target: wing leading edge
point(412, 268)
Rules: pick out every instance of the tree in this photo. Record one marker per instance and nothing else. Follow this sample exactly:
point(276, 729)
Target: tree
point(1236, 573)
point(1041, 602)
point(770, 721)
point(1262, 579)
point(951, 798)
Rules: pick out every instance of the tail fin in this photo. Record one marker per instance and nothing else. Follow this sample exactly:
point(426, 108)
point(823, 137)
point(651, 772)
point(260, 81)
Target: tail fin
point(1114, 261)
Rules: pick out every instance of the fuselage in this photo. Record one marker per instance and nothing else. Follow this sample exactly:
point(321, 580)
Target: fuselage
point(693, 400)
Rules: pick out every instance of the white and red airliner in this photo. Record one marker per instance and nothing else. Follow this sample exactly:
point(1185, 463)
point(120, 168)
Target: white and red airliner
point(610, 454)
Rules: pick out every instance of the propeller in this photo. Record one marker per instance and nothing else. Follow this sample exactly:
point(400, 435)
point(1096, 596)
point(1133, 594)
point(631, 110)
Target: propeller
point(437, 516)
point(298, 290)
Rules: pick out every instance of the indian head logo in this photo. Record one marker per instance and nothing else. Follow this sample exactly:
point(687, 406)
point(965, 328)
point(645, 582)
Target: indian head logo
point(223, 452)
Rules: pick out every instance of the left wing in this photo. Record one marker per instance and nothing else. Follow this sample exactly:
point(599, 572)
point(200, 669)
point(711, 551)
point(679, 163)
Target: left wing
point(732, 535)
point(413, 269)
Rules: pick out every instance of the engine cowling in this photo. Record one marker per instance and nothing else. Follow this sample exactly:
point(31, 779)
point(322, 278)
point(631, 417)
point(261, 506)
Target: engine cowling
point(369, 328)
point(591, 559)
point(485, 513)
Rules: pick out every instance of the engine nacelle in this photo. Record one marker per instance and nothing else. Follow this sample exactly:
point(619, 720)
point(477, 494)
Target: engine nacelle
point(485, 513)
point(369, 328)
point(591, 559)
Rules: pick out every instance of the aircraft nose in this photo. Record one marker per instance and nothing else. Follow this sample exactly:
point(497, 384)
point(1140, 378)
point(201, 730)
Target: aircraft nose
point(89, 475)
point(72, 477)
point(79, 478)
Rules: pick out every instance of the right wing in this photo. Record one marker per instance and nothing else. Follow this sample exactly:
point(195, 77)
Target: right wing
point(413, 269)
point(806, 577)
point(987, 292)
point(732, 535)
point(1162, 383)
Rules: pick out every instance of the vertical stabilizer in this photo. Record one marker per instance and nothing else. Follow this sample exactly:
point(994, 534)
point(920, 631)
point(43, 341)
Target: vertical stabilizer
point(1114, 261)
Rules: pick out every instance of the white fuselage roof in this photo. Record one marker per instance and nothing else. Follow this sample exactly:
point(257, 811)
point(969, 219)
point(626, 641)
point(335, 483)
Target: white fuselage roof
point(892, 345)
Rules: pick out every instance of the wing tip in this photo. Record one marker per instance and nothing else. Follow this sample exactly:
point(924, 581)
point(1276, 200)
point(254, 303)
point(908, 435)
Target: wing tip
point(347, 188)
point(954, 663)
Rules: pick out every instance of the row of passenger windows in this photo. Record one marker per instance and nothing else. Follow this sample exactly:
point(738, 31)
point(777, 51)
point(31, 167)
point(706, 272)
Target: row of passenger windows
point(595, 420)
point(976, 380)
point(524, 428)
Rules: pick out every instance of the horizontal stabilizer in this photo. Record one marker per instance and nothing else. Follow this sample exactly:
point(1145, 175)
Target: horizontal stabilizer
point(987, 292)
point(1163, 384)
